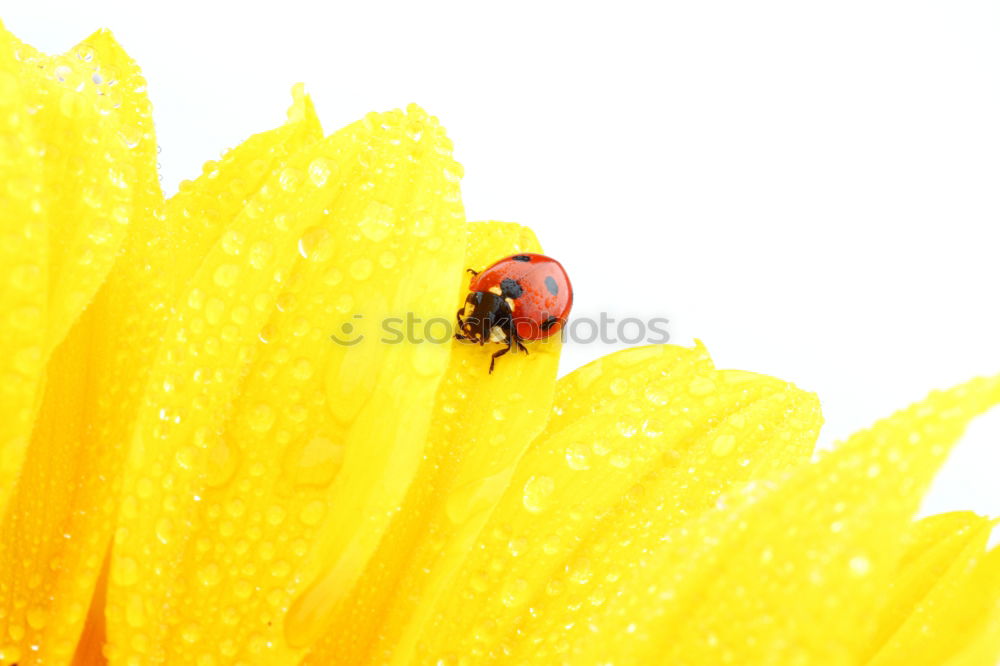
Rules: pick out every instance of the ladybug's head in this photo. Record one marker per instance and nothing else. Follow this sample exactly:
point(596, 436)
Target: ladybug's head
point(486, 318)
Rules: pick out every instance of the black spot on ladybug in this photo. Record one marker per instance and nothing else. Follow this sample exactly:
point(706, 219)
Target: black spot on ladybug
point(521, 257)
point(510, 288)
point(550, 322)
point(551, 285)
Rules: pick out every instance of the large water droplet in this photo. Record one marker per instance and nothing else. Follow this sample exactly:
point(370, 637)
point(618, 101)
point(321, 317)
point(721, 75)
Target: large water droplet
point(577, 457)
point(290, 179)
point(314, 461)
point(232, 242)
point(859, 565)
point(210, 574)
point(319, 171)
point(125, 571)
point(260, 254)
point(723, 444)
point(317, 244)
point(361, 269)
point(701, 386)
point(376, 224)
point(312, 513)
point(261, 417)
point(538, 493)
point(226, 275)
point(514, 593)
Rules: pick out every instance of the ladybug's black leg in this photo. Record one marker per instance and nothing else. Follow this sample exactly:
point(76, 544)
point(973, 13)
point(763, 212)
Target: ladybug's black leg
point(474, 273)
point(497, 355)
point(521, 347)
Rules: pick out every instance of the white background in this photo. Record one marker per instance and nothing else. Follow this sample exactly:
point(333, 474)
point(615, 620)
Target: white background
point(809, 188)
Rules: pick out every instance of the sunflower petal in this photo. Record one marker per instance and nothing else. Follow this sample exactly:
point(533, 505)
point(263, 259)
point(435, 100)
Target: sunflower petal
point(787, 572)
point(24, 248)
point(639, 442)
point(941, 601)
point(95, 176)
point(254, 423)
point(481, 425)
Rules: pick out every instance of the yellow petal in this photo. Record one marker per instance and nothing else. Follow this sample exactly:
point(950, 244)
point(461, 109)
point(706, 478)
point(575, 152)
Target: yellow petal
point(267, 459)
point(95, 175)
point(941, 601)
point(639, 441)
point(24, 249)
point(791, 571)
point(481, 425)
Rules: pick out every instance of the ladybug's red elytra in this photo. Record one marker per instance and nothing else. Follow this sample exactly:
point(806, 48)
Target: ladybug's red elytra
point(521, 297)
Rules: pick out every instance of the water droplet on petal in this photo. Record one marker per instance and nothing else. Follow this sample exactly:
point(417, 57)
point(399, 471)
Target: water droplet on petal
point(577, 457)
point(514, 593)
point(377, 221)
point(701, 386)
point(226, 275)
point(290, 179)
point(314, 461)
point(317, 244)
point(312, 513)
point(859, 565)
point(260, 254)
point(319, 171)
point(538, 493)
point(723, 444)
point(361, 269)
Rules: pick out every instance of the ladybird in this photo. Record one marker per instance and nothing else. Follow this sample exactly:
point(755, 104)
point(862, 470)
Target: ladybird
point(521, 297)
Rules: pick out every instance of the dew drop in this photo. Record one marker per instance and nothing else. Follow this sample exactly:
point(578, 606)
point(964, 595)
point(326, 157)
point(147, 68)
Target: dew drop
point(302, 369)
point(333, 277)
point(242, 589)
point(859, 565)
point(619, 460)
point(701, 386)
point(144, 488)
point(538, 493)
point(290, 179)
point(581, 573)
point(164, 530)
point(37, 618)
point(344, 303)
point(387, 260)
point(275, 515)
point(577, 457)
point(196, 299)
point(377, 221)
point(221, 462)
point(319, 171)
point(232, 242)
point(209, 574)
point(261, 417)
point(316, 244)
point(361, 269)
point(261, 253)
point(226, 275)
point(656, 395)
point(312, 513)
point(314, 461)
point(191, 633)
point(724, 444)
point(125, 571)
point(514, 593)
point(10, 653)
